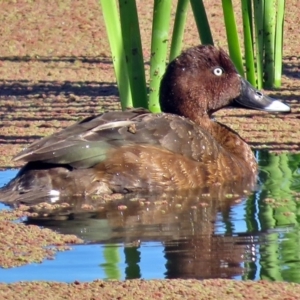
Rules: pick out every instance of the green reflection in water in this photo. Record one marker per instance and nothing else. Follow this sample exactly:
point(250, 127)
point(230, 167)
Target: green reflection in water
point(132, 260)
point(279, 175)
point(278, 208)
point(112, 260)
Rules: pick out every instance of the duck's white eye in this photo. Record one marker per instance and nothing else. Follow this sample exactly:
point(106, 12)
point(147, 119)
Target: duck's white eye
point(218, 71)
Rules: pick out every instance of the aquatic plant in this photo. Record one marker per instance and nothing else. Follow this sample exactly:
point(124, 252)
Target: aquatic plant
point(263, 38)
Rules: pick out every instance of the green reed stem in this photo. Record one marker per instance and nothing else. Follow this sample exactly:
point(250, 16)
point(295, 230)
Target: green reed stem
point(133, 51)
point(202, 22)
point(159, 47)
point(259, 6)
point(279, 43)
point(250, 13)
point(113, 29)
point(232, 35)
point(269, 40)
point(178, 30)
point(248, 42)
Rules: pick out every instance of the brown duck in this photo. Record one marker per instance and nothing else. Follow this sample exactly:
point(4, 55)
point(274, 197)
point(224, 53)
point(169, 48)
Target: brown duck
point(135, 150)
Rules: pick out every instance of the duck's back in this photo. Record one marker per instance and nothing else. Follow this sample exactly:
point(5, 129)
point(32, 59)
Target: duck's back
point(89, 142)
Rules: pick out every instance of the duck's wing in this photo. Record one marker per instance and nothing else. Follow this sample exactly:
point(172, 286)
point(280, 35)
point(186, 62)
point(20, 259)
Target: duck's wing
point(89, 142)
point(77, 144)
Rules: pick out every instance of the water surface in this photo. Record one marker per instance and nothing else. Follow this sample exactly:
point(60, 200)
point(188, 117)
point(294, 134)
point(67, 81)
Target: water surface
point(254, 236)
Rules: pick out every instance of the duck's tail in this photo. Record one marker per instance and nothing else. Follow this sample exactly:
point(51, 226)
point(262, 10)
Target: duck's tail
point(36, 183)
point(9, 194)
point(30, 186)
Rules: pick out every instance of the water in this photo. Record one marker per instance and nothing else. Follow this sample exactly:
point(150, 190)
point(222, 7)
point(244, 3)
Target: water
point(251, 237)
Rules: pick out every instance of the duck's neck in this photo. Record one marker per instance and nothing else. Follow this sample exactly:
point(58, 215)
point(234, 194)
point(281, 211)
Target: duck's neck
point(229, 140)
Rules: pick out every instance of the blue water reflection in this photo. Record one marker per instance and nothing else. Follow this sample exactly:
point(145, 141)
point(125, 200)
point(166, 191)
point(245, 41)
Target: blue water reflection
point(256, 237)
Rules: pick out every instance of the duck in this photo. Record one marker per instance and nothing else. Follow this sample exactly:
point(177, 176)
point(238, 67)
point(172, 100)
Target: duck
point(181, 148)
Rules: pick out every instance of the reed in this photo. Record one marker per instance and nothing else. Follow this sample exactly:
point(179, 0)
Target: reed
point(263, 39)
point(159, 47)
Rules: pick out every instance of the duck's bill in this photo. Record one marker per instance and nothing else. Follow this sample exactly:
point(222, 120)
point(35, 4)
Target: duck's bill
point(252, 98)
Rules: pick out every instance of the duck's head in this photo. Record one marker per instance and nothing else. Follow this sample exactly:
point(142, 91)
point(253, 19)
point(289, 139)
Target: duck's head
point(203, 79)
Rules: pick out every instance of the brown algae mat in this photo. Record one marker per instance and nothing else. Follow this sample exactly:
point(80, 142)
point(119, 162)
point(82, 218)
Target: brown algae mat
point(21, 244)
point(55, 69)
point(152, 289)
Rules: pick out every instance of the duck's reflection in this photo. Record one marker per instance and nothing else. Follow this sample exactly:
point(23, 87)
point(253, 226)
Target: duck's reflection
point(205, 256)
point(184, 222)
